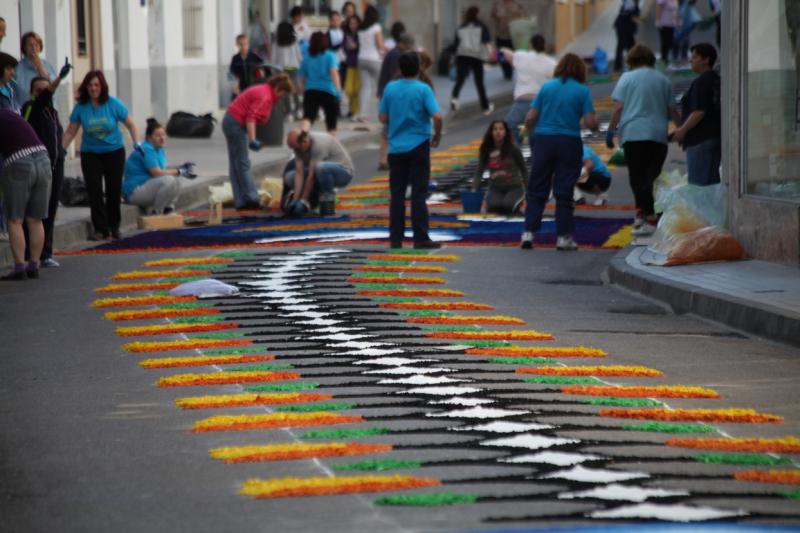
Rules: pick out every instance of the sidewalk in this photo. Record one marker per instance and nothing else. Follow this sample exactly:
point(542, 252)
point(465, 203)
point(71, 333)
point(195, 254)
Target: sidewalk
point(754, 296)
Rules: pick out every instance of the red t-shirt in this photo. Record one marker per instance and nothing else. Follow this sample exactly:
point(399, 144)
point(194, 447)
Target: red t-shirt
point(254, 104)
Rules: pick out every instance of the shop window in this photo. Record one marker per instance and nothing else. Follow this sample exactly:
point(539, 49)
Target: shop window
point(772, 100)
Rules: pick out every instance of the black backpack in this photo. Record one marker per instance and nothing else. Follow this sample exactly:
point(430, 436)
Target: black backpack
point(73, 192)
point(182, 124)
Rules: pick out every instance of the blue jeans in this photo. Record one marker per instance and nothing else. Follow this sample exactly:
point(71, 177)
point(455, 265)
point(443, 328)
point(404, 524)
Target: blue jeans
point(330, 176)
point(702, 161)
point(516, 116)
point(409, 168)
point(244, 188)
point(557, 163)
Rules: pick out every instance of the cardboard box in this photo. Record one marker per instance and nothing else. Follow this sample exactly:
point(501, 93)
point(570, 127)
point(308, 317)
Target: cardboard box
point(171, 221)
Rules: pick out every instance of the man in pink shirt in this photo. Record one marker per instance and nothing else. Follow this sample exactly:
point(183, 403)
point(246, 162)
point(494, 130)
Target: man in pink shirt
point(252, 107)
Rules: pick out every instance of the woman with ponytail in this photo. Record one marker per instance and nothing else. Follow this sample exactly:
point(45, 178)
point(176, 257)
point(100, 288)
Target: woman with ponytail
point(149, 183)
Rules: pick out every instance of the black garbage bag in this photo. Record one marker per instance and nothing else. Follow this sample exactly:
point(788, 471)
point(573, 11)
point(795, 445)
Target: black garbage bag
point(73, 192)
point(183, 124)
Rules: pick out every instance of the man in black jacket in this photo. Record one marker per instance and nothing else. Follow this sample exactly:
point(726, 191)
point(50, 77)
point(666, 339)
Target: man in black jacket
point(43, 118)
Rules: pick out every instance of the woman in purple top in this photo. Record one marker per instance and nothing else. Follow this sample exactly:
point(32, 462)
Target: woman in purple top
point(26, 187)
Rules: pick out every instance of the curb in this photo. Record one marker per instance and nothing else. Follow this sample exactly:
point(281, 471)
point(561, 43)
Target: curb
point(758, 319)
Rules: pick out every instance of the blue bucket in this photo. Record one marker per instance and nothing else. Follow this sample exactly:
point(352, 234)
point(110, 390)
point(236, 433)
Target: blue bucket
point(471, 201)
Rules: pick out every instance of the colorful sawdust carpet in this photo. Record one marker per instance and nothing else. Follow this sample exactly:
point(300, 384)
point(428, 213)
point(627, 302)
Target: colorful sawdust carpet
point(589, 232)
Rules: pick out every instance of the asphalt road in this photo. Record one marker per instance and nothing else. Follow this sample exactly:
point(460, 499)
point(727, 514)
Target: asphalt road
point(88, 443)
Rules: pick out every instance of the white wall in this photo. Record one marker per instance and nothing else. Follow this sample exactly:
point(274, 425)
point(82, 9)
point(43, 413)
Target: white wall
point(229, 24)
point(133, 61)
point(144, 62)
point(9, 10)
point(178, 82)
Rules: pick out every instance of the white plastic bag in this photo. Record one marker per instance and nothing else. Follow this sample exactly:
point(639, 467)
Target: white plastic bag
point(204, 288)
point(688, 208)
point(663, 187)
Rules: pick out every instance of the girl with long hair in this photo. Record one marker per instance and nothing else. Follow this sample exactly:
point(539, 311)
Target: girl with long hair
point(502, 159)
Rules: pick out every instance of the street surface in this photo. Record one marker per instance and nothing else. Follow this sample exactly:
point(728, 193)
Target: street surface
point(90, 443)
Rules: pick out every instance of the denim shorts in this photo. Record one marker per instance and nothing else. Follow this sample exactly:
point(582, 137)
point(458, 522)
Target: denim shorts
point(26, 187)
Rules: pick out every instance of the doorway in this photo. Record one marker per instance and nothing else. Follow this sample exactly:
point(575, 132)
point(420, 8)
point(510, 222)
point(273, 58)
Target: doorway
point(86, 52)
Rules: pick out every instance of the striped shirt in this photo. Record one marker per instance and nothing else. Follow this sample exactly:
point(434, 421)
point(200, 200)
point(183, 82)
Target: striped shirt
point(17, 137)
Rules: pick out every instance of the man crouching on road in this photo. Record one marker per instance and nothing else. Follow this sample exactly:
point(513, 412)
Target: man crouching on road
point(407, 107)
point(321, 160)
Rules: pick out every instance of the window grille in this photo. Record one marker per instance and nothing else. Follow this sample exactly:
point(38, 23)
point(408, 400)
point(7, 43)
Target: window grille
point(192, 28)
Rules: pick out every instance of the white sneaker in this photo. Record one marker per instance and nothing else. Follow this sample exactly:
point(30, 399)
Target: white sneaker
point(602, 199)
point(489, 110)
point(454, 105)
point(644, 229)
point(50, 263)
point(566, 243)
point(526, 242)
point(638, 219)
point(577, 197)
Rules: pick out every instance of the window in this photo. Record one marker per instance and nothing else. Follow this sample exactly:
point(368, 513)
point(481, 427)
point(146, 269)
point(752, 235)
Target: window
point(192, 28)
point(772, 100)
point(80, 18)
point(316, 7)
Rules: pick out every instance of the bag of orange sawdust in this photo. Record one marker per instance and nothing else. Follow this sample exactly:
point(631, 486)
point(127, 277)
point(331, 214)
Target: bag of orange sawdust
point(691, 226)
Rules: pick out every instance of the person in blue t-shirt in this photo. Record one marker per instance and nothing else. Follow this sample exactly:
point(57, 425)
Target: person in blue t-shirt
point(557, 148)
point(594, 179)
point(148, 182)
point(102, 150)
point(320, 78)
point(8, 89)
point(643, 105)
point(407, 108)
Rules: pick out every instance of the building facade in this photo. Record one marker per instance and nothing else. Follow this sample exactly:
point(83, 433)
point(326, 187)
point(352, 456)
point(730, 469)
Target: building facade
point(159, 56)
point(761, 125)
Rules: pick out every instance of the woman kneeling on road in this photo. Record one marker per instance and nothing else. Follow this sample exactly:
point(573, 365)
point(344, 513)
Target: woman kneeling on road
point(148, 183)
point(503, 160)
